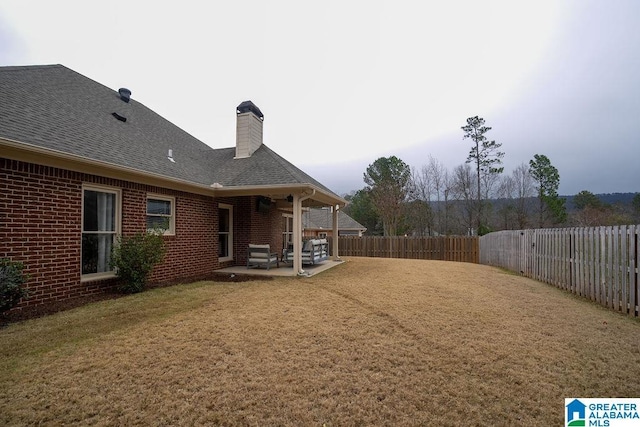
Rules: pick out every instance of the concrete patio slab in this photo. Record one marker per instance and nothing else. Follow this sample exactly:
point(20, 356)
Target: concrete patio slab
point(283, 270)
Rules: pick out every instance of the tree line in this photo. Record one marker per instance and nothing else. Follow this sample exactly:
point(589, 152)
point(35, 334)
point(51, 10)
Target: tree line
point(476, 197)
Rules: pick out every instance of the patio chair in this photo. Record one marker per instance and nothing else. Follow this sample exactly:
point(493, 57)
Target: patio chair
point(261, 256)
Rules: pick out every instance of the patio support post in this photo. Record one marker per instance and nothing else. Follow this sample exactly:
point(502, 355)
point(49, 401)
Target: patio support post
point(297, 235)
point(297, 230)
point(334, 244)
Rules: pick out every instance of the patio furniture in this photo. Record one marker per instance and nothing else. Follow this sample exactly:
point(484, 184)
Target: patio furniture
point(261, 256)
point(313, 251)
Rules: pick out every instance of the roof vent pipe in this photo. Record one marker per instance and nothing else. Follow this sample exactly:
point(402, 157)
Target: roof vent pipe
point(119, 117)
point(125, 94)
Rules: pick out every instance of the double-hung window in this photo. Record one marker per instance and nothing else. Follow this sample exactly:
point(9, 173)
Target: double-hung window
point(100, 226)
point(161, 214)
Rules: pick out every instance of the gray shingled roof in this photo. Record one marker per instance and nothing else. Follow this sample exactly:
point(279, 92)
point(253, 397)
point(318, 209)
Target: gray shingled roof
point(322, 219)
point(56, 108)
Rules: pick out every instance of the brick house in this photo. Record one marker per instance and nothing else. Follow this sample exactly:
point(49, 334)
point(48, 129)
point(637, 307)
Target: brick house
point(81, 164)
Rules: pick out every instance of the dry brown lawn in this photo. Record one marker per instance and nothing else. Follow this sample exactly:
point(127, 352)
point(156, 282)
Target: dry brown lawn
point(370, 342)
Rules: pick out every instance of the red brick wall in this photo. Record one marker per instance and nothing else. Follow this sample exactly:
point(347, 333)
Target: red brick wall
point(275, 218)
point(251, 226)
point(192, 253)
point(40, 218)
point(40, 211)
point(40, 225)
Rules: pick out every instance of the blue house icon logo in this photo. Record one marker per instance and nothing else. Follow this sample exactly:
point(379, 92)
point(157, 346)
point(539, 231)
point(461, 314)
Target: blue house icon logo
point(576, 413)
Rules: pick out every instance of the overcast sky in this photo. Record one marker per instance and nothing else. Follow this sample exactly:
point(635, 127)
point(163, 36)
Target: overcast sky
point(342, 83)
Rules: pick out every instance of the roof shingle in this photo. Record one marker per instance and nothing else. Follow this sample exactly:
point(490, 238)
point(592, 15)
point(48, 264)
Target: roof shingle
point(56, 108)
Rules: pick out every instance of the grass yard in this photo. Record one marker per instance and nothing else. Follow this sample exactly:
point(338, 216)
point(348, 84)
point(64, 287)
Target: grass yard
point(370, 342)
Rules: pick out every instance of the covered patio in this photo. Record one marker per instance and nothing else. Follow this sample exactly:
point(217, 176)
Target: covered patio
point(279, 189)
point(289, 200)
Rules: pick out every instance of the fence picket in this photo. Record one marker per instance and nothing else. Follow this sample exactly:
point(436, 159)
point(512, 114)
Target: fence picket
point(616, 268)
point(602, 282)
point(624, 267)
point(591, 264)
point(633, 272)
point(633, 267)
point(598, 263)
point(450, 248)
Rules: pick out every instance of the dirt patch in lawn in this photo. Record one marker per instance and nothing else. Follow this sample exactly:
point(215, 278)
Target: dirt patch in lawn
point(370, 342)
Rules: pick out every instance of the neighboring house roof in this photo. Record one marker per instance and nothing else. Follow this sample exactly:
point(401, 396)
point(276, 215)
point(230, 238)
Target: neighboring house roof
point(322, 219)
point(59, 111)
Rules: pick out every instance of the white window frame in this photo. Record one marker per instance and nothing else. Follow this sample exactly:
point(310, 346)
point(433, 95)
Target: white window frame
point(115, 233)
point(172, 216)
point(229, 233)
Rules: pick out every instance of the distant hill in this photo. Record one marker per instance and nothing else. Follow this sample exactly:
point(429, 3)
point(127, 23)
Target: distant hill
point(608, 199)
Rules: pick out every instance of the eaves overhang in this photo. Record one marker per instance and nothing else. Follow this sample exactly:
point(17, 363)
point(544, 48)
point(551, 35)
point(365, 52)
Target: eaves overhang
point(31, 153)
point(317, 195)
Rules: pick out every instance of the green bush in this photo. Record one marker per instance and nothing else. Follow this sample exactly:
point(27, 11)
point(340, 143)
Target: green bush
point(484, 229)
point(11, 280)
point(134, 257)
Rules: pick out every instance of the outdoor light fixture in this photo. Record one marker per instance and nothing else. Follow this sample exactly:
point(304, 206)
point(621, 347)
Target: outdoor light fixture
point(290, 198)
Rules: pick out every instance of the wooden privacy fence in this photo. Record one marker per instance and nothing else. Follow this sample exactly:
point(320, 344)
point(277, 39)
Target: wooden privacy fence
point(446, 248)
point(598, 263)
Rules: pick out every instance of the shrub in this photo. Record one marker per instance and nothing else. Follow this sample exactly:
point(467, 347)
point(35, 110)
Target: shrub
point(134, 257)
point(11, 280)
point(484, 229)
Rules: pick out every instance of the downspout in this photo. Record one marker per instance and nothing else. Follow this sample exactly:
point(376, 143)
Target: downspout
point(297, 231)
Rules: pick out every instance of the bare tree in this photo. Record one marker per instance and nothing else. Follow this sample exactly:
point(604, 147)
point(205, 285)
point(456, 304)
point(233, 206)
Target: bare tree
point(438, 179)
point(464, 190)
point(506, 211)
point(418, 218)
point(516, 194)
point(418, 212)
point(421, 180)
point(431, 185)
point(525, 190)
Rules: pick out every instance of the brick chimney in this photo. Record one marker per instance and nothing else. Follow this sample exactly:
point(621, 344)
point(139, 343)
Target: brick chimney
point(248, 129)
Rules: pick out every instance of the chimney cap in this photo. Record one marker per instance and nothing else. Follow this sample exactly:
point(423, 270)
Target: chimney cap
point(248, 106)
point(125, 94)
